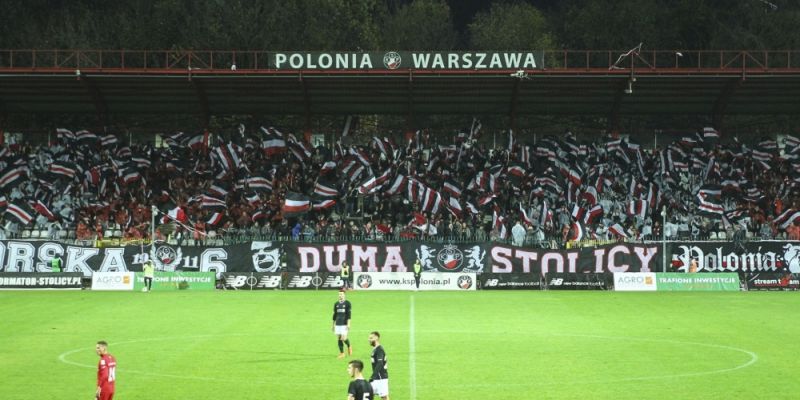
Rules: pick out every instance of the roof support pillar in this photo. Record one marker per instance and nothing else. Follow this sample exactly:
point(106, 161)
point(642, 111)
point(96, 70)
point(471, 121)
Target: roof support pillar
point(202, 101)
point(100, 105)
point(721, 104)
point(512, 112)
point(410, 102)
point(616, 106)
point(306, 104)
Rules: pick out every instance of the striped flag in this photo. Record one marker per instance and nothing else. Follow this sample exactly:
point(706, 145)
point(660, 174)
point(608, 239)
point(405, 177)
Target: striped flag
point(109, 140)
point(21, 212)
point(196, 142)
point(86, 137)
point(215, 219)
point(453, 188)
point(175, 214)
point(618, 231)
point(577, 232)
point(295, 203)
point(273, 142)
point(259, 184)
point(524, 215)
point(218, 189)
point(324, 204)
point(710, 133)
point(13, 176)
point(325, 189)
point(212, 203)
point(44, 210)
point(327, 167)
point(228, 156)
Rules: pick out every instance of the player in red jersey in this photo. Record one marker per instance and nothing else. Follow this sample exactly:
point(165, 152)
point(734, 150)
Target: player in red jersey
point(106, 372)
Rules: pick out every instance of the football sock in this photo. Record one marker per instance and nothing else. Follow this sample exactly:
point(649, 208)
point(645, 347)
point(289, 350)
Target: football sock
point(347, 342)
point(341, 346)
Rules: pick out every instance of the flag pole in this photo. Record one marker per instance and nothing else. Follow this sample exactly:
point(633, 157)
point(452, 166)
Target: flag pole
point(153, 225)
point(663, 239)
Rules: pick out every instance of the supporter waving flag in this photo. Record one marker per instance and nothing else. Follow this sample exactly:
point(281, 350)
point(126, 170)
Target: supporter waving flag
point(295, 204)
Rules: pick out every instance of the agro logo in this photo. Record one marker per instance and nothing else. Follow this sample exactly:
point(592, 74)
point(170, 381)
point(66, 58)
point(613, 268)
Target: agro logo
point(364, 281)
point(166, 258)
point(391, 60)
point(464, 282)
point(449, 258)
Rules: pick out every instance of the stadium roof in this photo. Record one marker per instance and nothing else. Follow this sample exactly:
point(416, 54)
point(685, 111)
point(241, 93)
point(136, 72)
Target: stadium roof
point(576, 83)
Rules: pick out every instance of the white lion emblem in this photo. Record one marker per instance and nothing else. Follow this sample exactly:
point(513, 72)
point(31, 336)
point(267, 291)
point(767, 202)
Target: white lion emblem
point(266, 258)
point(474, 256)
point(166, 258)
point(426, 255)
point(791, 258)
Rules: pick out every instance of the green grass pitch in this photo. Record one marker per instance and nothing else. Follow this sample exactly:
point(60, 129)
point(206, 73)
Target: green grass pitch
point(480, 345)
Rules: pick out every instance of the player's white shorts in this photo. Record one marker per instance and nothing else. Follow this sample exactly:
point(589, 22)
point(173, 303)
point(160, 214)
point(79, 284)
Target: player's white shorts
point(340, 330)
point(381, 387)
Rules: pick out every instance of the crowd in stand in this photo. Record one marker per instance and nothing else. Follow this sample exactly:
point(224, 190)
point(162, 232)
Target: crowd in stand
point(266, 183)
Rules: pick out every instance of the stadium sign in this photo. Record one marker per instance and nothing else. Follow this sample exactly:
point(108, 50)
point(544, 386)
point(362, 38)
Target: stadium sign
point(253, 281)
point(40, 281)
point(635, 282)
point(693, 282)
point(112, 281)
point(407, 60)
point(772, 281)
point(384, 257)
point(491, 281)
point(582, 281)
point(313, 281)
point(766, 256)
point(178, 281)
point(613, 258)
point(406, 281)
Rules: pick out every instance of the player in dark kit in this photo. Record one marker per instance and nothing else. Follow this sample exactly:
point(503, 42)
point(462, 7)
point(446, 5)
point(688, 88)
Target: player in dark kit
point(106, 372)
point(359, 389)
point(380, 377)
point(341, 323)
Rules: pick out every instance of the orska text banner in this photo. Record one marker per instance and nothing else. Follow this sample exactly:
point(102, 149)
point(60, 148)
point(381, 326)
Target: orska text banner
point(384, 257)
point(408, 60)
point(621, 257)
point(762, 256)
point(35, 256)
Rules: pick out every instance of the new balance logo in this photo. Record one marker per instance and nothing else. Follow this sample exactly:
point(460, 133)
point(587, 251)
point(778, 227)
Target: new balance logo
point(253, 282)
point(556, 282)
point(299, 281)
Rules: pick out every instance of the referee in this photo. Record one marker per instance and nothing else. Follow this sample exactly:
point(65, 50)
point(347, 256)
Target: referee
point(149, 272)
point(344, 273)
point(417, 272)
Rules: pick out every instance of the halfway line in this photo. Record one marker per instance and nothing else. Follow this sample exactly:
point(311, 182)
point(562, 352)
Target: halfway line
point(412, 362)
